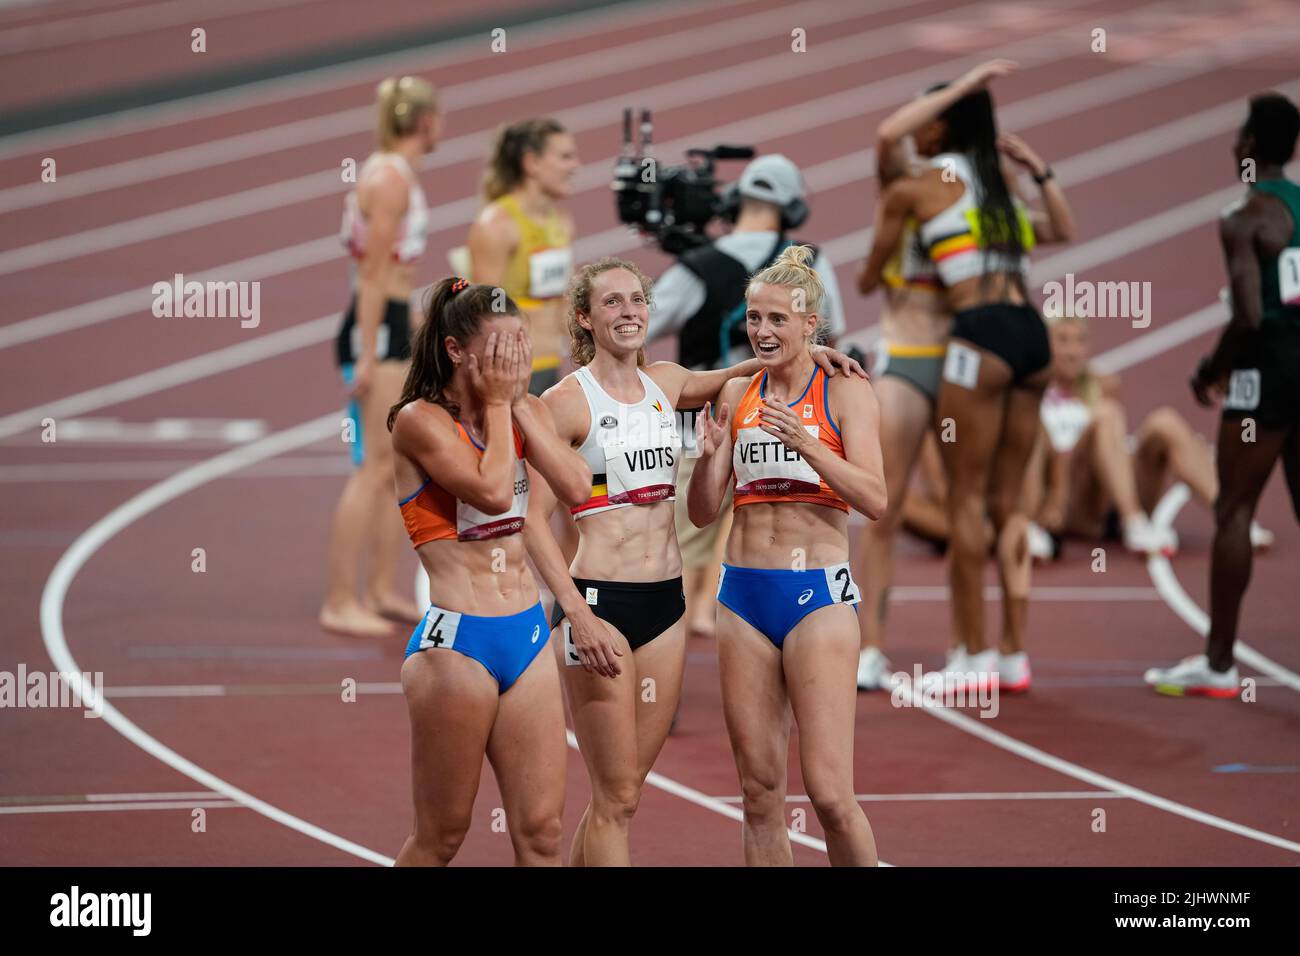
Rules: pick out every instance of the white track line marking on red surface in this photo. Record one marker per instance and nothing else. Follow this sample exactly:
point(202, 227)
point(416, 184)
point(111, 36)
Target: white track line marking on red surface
point(99, 534)
point(1171, 589)
point(979, 728)
point(458, 97)
point(959, 797)
point(118, 807)
point(306, 83)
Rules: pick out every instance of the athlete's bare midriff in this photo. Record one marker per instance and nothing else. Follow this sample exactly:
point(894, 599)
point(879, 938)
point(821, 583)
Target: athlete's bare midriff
point(789, 535)
point(636, 543)
point(915, 317)
point(487, 578)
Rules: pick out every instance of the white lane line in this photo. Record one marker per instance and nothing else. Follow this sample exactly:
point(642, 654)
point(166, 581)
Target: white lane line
point(177, 795)
point(301, 466)
point(117, 807)
point(180, 373)
point(444, 54)
point(458, 97)
point(243, 690)
point(993, 592)
point(99, 534)
point(960, 797)
point(1171, 589)
point(979, 728)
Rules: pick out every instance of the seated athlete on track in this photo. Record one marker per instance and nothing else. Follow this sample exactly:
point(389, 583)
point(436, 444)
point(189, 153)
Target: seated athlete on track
point(465, 416)
point(801, 448)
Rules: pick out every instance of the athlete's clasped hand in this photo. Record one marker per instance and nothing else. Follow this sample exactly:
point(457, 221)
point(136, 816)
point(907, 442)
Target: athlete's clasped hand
point(776, 418)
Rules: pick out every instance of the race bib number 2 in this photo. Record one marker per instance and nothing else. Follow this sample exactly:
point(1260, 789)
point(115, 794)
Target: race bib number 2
point(1288, 276)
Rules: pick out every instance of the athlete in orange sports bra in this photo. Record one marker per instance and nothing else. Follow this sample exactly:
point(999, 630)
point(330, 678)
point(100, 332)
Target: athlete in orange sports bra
point(801, 449)
point(465, 416)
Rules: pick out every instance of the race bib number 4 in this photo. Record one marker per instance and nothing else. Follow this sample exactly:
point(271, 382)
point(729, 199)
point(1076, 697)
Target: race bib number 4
point(1243, 390)
point(1288, 276)
point(439, 628)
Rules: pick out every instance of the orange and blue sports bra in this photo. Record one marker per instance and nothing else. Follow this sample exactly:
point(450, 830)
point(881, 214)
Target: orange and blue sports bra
point(431, 513)
point(766, 471)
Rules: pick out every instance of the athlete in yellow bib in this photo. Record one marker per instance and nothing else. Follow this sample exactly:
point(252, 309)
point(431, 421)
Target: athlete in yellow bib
point(522, 241)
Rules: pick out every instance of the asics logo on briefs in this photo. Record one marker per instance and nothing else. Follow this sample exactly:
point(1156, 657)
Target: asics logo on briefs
point(537, 632)
point(806, 596)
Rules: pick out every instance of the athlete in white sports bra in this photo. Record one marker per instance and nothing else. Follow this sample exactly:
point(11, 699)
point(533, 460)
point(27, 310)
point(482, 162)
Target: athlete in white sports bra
point(385, 222)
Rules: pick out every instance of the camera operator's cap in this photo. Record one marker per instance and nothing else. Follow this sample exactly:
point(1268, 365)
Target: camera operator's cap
point(772, 178)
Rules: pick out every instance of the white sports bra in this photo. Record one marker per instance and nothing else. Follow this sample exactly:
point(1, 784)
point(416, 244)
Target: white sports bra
point(632, 450)
point(413, 233)
point(1065, 417)
point(955, 239)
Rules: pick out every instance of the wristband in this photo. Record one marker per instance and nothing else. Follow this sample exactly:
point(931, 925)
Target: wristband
point(1047, 174)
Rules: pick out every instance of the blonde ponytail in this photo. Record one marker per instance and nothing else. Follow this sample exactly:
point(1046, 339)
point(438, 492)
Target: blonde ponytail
point(793, 270)
point(401, 102)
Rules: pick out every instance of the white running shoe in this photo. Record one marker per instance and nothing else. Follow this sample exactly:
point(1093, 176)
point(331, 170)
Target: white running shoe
point(1261, 539)
point(1193, 677)
point(873, 670)
point(1013, 672)
point(1143, 537)
point(1040, 544)
point(960, 669)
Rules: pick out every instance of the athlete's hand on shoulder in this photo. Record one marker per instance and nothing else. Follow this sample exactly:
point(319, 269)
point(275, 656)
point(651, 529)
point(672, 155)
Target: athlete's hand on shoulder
point(709, 433)
point(1014, 147)
point(1207, 386)
point(597, 650)
point(832, 360)
point(777, 419)
point(496, 378)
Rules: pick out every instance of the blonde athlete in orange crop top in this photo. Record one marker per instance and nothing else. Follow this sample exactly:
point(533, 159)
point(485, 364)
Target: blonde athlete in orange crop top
point(470, 445)
point(523, 239)
point(801, 449)
point(618, 605)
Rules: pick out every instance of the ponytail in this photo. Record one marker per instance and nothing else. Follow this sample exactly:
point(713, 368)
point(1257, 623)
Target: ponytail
point(505, 168)
point(401, 103)
point(793, 269)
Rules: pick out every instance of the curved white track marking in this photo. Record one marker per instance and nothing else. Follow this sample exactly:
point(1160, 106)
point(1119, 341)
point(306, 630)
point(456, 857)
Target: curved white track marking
point(121, 517)
point(690, 794)
point(1167, 583)
point(979, 728)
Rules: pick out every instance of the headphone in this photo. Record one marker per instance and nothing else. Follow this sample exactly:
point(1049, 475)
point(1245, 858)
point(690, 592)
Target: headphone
point(793, 214)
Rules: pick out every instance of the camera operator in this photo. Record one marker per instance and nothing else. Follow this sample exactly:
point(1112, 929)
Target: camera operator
point(701, 299)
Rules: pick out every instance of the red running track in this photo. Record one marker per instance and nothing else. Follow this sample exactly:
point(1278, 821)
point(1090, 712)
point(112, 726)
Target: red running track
point(227, 669)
